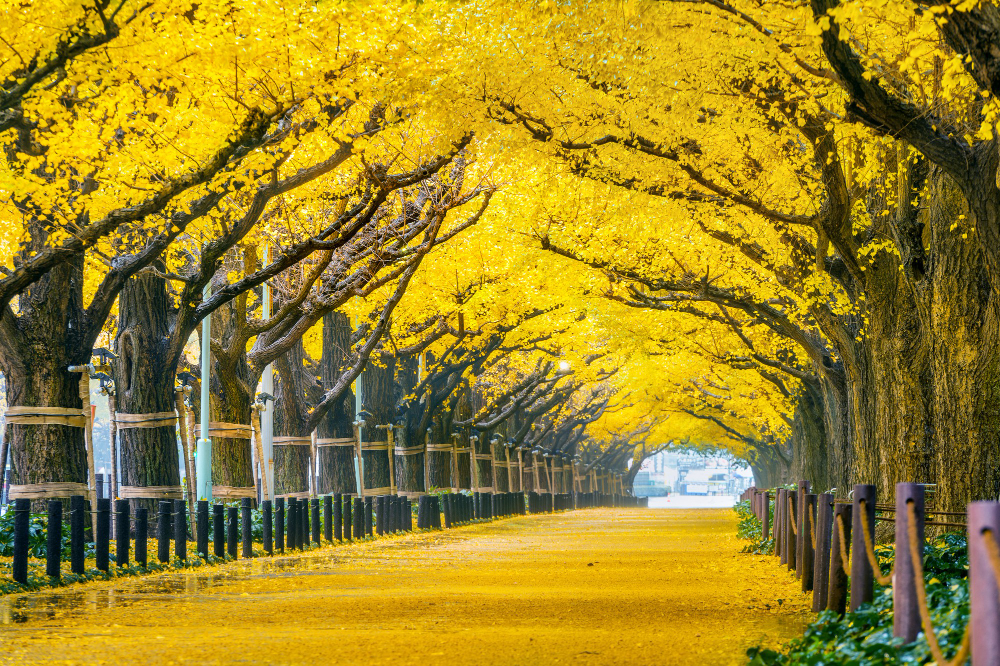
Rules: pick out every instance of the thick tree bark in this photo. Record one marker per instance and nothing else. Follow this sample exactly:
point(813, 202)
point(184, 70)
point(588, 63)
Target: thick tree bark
point(144, 384)
point(409, 467)
point(377, 395)
point(232, 400)
point(336, 463)
point(291, 461)
point(36, 349)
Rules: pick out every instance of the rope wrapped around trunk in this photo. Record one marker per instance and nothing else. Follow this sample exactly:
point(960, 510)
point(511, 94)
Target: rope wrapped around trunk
point(152, 420)
point(47, 490)
point(64, 416)
point(151, 492)
point(336, 441)
point(292, 441)
point(226, 430)
point(234, 492)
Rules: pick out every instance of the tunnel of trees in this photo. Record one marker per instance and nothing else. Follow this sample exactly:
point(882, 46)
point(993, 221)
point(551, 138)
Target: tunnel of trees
point(492, 261)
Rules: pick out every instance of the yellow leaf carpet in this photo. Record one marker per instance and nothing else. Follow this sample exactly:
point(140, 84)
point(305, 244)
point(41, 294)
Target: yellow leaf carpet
point(599, 586)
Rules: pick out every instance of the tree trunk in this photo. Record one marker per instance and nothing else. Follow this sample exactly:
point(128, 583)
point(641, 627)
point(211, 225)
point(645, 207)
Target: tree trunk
point(144, 384)
point(336, 463)
point(232, 400)
point(409, 467)
point(291, 404)
point(36, 349)
point(377, 394)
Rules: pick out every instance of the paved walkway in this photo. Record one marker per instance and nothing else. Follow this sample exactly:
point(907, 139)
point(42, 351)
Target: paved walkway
point(601, 586)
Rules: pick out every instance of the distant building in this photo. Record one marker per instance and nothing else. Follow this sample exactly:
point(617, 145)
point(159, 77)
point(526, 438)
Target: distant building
point(691, 474)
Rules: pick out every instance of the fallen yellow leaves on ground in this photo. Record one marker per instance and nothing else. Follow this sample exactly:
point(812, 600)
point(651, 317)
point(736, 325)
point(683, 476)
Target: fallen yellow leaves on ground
point(601, 586)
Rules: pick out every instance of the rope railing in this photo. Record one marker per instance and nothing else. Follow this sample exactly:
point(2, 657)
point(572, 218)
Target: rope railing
point(872, 559)
point(791, 517)
point(833, 561)
point(925, 613)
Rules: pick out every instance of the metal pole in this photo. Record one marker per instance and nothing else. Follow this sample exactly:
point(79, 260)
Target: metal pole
point(267, 414)
point(359, 423)
point(203, 457)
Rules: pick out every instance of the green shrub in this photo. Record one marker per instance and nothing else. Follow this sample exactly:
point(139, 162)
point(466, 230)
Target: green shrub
point(865, 636)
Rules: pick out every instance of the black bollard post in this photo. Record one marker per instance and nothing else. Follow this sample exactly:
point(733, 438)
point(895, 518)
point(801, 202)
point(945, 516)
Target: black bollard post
point(141, 535)
point(862, 575)
point(303, 534)
point(279, 524)
point(348, 517)
point(102, 535)
point(338, 517)
point(77, 512)
point(435, 513)
point(99, 487)
point(422, 512)
point(395, 513)
point(836, 599)
point(245, 527)
point(180, 529)
point(314, 503)
point(292, 523)
point(121, 532)
point(302, 529)
point(368, 516)
point(380, 519)
point(268, 526)
point(905, 605)
point(22, 520)
point(231, 531)
point(202, 528)
point(808, 538)
point(359, 518)
point(163, 532)
point(984, 523)
point(821, 557)
point(219, 529)
point(53, 543)
point(448, 515)
point(328, 518)
point(408, 514)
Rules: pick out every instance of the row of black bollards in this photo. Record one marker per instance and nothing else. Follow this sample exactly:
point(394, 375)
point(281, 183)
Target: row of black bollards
point(288, 524)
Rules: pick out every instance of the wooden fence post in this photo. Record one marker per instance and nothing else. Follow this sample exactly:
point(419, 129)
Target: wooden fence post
point(765, 517)
point(809, 537)
point(862, 576)
point(791, 521)
point(984, 523)
point(837, 594)
point(905, 605)
point(821, 558)
point(801, 527)
point(779, 525)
